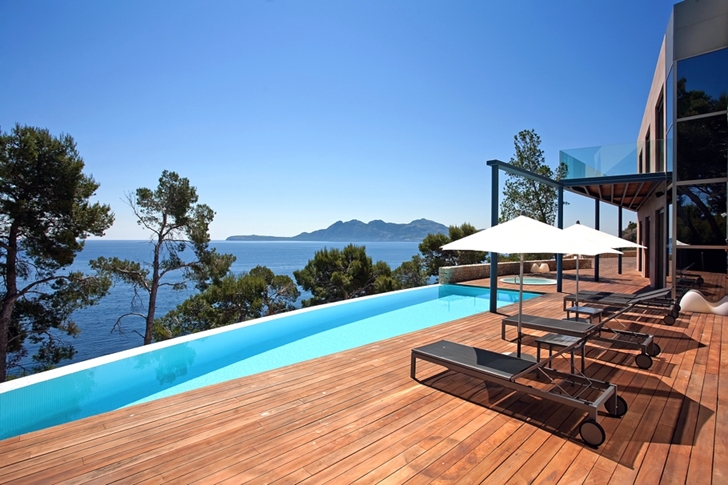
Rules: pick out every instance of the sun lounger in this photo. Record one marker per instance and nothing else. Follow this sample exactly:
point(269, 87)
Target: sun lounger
point(688, 280)
point(653, 300)
point(509, 371)
point(591, 332)
point(659, 293)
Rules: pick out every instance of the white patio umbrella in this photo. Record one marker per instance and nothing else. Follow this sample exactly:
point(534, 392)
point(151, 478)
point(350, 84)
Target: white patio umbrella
point(596, 236)
point(525, 235)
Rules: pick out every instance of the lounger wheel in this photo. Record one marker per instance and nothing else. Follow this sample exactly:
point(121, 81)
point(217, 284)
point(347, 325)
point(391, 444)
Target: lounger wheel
point(592, 432)
point(643, 361)
point(700, 280)
point(669, 320)
point(653, 350)
point(617, 411)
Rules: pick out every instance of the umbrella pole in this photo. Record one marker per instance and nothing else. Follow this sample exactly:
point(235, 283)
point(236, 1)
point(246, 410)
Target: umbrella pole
point(577, 281)
point(520, 307)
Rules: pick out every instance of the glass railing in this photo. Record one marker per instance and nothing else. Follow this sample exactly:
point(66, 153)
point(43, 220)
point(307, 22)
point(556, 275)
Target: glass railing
point(610, 160)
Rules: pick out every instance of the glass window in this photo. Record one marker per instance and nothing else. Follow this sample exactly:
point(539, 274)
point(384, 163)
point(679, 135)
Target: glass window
point(641, 166)
point(669, 100)
point(668, 243)
point(701, 214)
point(670, 150)
point(701, 148)
point(648, 163)
point(702, 84)
point(708, 260)
point(660, 135)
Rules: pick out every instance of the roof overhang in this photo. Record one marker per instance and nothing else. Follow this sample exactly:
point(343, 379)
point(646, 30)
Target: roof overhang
point(626, 191)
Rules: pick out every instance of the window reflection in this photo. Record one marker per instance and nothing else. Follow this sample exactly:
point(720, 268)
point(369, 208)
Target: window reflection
point(708, 260)
point(702, 84)
point(669, 150)
point(700, 210)
point(701, 148)
point(669, 100)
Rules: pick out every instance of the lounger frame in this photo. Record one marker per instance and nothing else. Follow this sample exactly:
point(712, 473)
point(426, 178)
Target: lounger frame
point(433, 353)
point(590, 332)
point(658, 298)
point(688, 280)
point(652, 300)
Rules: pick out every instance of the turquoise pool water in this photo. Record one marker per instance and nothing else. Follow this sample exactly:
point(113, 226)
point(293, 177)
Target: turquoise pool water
point(148, 373)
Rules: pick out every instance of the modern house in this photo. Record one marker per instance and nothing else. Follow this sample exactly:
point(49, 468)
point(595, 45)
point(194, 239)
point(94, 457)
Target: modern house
point(684, 133)
point(674, 176)
point(367, 415)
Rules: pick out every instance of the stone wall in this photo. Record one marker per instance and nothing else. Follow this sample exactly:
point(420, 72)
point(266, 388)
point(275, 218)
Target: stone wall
point(467, 272)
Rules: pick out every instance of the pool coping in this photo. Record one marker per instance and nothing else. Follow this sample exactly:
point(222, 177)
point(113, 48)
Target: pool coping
point(43, 376)
point(25, 381)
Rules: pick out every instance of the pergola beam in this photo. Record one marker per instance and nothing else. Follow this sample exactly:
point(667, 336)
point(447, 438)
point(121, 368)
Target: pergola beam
point(578, 186)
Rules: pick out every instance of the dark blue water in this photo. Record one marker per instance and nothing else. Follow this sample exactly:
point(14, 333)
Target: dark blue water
point(282, 258)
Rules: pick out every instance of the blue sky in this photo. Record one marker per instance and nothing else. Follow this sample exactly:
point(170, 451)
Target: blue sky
point(290, 115)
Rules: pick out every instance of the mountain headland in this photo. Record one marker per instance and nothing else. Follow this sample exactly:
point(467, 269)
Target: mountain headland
point(357, 231)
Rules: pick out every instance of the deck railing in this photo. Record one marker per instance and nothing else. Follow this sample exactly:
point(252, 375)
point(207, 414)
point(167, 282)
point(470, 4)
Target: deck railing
point(621, 159)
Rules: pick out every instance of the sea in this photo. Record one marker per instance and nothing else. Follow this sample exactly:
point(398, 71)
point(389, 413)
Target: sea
point(282, 257)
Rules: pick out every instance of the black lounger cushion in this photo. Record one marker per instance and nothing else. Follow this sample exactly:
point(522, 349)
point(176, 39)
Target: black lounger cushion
point(563, 327)
point(485, 361)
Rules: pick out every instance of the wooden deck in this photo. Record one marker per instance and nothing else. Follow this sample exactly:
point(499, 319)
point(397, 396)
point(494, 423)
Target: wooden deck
point(357, 417)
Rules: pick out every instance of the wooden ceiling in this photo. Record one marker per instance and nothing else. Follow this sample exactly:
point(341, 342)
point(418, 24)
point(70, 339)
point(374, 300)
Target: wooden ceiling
point(626, 191)
point(628, 194)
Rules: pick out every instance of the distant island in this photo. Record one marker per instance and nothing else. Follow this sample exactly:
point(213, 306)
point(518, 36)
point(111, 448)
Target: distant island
point(357, 231)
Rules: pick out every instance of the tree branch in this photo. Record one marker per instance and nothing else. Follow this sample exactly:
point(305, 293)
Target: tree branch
point(33, 285)
point(117, 324)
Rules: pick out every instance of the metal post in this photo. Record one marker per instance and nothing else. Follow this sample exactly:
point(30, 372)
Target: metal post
point(560, 225)
point(520, 308)
point(619, 234)
point(494, 256)
point(596, 226)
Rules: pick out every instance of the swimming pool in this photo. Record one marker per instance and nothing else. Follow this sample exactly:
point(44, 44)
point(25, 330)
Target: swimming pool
point(174, 366)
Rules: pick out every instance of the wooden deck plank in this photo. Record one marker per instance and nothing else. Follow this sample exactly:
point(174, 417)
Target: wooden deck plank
point(316, 459)
point(513, 465)
point(320, 435)
point(647, 388)
point(720, 451)
point(678, 458)
point(360, 463)
point(533, 465)
point(396, 446)
point(357, 417)
point(653, 468)
point(639, 421)
point(701, 456)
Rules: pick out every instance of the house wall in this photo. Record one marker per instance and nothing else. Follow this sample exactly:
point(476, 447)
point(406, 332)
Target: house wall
point(695, 27)
point(700, 26)
point(651, 209)
point(647, 155)
point(648, 118)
